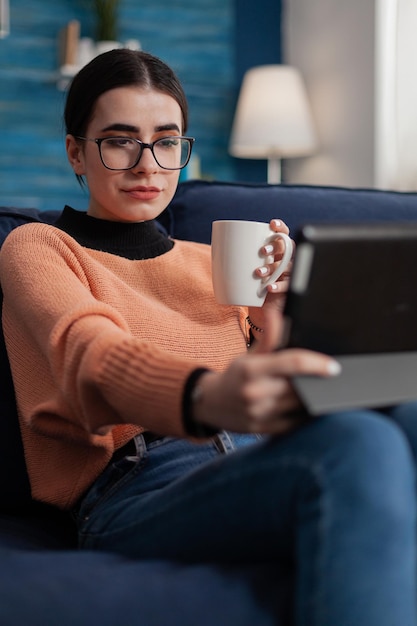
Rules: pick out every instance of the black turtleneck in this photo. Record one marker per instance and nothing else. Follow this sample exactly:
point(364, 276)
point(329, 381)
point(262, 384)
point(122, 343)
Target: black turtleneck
point(132, 240)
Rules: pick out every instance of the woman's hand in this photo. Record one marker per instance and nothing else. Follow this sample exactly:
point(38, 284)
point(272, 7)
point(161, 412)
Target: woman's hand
point(255, 394)
point(276, 291)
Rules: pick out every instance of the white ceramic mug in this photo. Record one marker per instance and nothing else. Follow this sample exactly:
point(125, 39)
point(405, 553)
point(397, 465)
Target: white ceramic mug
point(236, 253)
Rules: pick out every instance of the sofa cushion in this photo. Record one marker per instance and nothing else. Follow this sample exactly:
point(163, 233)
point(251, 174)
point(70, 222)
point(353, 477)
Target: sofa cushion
point(197, 203)
point(81, 588)
point(37, 526)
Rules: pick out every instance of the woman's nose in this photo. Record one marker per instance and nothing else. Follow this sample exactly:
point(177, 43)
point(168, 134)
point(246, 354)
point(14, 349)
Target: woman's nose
point(147, 162)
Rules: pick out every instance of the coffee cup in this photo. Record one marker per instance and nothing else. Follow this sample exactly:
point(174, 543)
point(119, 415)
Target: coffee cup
point(236, 253)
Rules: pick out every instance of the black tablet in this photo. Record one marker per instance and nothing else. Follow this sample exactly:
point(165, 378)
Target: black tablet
point(353, 294)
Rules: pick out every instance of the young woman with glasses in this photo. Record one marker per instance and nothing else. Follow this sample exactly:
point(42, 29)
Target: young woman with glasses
point(144, 413)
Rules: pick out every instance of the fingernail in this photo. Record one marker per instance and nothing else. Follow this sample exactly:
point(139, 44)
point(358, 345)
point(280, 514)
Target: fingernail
point(277, 223)
point(269, 249)
point(334, 368)
point(263, 270)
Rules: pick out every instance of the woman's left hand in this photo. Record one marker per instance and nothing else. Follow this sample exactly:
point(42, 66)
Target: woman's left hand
point(276, 291)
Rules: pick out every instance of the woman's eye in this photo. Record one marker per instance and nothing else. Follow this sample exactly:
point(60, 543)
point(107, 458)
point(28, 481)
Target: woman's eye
point(168, 142)
point(119, 142)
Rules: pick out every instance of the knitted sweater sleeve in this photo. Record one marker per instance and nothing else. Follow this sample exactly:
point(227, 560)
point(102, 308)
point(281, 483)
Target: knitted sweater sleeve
point(72, 356)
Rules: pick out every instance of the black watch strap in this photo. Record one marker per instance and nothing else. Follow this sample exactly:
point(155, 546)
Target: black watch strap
point(193, 428)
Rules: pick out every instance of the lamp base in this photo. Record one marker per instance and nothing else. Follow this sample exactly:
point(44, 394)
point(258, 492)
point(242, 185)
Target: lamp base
point(274, 171)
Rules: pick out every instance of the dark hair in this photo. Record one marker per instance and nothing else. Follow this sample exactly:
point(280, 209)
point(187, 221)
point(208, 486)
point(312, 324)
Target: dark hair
point(118, 68)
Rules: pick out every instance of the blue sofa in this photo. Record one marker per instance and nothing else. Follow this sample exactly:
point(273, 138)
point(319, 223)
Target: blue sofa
point(44, 580)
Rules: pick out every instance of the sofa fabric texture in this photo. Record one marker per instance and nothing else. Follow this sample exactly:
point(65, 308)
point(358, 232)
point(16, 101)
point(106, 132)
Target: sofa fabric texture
point(44, 580)
point(198, 203)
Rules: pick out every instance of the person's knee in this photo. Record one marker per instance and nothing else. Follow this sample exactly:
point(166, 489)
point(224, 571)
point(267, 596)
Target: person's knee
point(405, 416)
point(372, 463)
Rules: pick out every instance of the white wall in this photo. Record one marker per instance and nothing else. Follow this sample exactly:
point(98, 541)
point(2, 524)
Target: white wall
point(358, 61)
point(396, 95)
point(332, 43)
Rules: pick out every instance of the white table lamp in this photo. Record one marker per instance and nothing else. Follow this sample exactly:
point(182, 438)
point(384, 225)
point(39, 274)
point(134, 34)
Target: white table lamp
point(273, 118)
point(4, 18)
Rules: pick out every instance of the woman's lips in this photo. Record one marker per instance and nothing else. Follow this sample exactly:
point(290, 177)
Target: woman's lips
point(143, 193)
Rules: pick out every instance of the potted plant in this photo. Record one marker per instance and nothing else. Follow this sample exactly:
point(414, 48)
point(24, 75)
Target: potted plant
point(107, 26)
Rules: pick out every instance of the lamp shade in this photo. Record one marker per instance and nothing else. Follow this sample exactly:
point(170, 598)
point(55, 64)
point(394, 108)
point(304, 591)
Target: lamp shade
point(273, 117)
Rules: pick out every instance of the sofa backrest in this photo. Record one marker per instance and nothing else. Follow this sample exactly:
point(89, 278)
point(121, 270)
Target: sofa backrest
point(198, 203)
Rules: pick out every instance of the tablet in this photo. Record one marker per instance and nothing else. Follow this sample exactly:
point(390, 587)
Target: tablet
point(353, 295)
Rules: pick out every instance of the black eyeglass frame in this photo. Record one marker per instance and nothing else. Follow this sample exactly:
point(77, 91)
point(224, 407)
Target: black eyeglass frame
point(142, 145)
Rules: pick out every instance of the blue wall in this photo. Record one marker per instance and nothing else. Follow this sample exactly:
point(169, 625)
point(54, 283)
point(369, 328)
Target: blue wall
point(209, 43)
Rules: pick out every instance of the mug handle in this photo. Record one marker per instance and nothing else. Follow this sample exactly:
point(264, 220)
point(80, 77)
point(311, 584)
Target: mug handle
point(282, 265)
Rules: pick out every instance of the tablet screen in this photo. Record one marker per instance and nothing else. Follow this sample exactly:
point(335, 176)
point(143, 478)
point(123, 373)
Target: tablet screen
point(354, 289)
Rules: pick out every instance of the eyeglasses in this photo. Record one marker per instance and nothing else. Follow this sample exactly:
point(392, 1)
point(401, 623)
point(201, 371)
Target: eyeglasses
point(123, 153)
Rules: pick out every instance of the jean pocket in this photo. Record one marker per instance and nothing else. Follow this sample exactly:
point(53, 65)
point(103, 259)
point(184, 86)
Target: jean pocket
point(118, 472)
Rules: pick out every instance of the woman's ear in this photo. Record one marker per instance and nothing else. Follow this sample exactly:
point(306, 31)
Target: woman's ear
point(75, 155)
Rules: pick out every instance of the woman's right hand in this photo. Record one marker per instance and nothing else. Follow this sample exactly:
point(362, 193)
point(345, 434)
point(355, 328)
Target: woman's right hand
point(255, 393)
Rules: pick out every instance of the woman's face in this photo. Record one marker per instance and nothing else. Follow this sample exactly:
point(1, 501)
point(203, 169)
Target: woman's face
point(144, 191)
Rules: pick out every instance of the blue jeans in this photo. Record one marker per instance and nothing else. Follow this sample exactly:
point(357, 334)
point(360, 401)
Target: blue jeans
point(334, 502)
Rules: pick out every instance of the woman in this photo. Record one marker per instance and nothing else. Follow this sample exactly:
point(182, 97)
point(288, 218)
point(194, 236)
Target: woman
point(142, 409)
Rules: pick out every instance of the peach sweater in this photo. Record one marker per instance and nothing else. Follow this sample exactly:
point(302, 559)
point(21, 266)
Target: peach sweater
point(101, 346)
